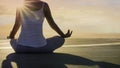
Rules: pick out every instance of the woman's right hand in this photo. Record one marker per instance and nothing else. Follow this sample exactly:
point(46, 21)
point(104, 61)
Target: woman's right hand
point(68, 34)
point(9, 37)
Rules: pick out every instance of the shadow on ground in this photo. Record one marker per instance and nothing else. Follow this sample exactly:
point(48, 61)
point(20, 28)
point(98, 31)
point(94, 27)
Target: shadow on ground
point(55, 60)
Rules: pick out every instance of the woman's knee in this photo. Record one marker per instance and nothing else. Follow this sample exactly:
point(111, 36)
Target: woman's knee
point(61, 40)
point(13, 43)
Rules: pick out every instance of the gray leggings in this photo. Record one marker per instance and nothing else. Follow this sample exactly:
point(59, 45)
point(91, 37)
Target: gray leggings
point(52, 44)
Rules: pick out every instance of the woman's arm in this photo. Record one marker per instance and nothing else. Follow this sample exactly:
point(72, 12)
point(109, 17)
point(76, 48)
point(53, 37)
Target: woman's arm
point(16, 25)
point(53, 25)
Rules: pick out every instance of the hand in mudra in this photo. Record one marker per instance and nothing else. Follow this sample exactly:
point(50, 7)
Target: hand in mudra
point(68, 34)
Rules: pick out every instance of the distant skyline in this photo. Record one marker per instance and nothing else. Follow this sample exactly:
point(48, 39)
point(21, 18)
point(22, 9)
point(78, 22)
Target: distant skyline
point(82, 16)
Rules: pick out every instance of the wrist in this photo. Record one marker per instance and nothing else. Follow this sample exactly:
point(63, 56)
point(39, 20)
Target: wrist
point(63, 36)
point(10, 37)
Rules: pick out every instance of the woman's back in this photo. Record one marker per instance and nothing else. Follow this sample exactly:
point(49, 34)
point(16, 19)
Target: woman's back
point(31, 30)
point(31, 38)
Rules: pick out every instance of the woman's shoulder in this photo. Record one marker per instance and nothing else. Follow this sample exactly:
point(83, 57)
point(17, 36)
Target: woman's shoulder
point(45, 3)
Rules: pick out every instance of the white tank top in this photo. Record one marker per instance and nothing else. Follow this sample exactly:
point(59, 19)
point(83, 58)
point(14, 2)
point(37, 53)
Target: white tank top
point(32, 28)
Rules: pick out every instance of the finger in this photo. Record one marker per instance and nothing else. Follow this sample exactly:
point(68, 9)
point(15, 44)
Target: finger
point(69, 31)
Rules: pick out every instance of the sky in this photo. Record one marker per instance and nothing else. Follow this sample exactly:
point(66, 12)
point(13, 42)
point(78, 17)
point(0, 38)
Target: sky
point(82, 16)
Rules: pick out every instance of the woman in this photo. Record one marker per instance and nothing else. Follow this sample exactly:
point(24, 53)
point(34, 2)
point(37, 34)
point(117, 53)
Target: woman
point(31, 38)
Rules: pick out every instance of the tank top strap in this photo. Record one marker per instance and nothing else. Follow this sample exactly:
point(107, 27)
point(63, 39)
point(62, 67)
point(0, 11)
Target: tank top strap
point(43, 5)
